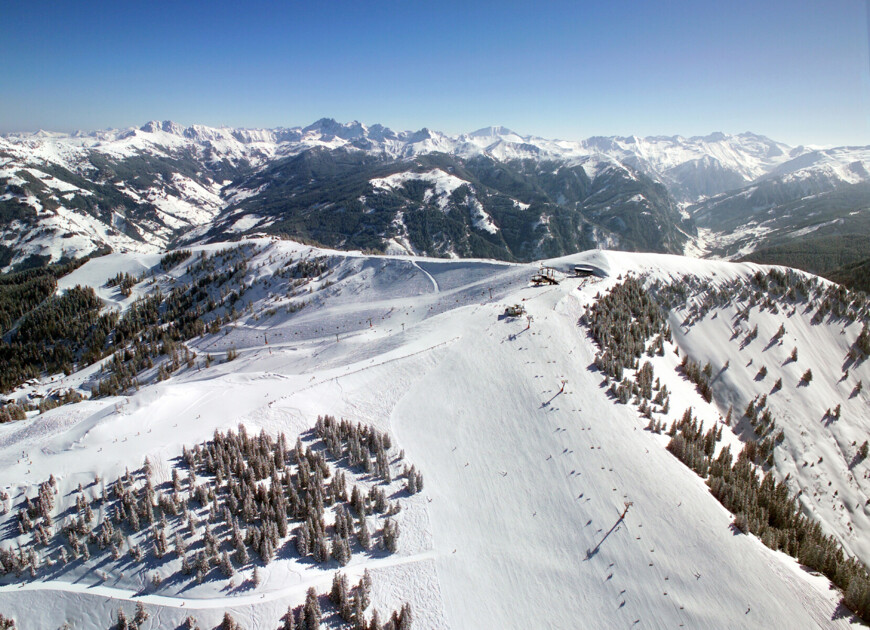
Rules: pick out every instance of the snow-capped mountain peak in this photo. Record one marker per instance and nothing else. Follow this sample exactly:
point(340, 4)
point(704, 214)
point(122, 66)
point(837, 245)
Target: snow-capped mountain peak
point(168, 178)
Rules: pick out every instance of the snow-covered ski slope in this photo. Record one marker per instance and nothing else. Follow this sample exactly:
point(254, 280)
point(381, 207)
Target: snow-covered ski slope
point(519, 522)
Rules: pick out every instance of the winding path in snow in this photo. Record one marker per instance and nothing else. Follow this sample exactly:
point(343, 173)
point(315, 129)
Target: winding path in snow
point(428, 275)
point(214, 602)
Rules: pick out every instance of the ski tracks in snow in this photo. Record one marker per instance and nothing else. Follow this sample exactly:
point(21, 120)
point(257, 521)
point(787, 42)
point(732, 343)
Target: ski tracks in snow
point(215, 602)
point(428, 275)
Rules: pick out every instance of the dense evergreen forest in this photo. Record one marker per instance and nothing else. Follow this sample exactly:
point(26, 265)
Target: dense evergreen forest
point(856, 276)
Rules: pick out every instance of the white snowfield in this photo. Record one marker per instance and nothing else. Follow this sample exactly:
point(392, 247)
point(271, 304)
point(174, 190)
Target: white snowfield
point(528, 463)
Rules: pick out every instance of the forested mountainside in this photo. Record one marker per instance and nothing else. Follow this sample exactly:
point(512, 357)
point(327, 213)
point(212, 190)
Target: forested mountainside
point(492, 193)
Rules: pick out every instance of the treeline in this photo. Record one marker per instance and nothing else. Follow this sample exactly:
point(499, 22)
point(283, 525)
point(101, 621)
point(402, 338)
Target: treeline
point(763, 424)
point(62, 332)
point(699, 376)
point(855, 276)
point(771, 290)
point(765, 507)
point(20, 294)
point(171, 259)
point(349, 602)
point(30, 295)
point(623, 321)
point(154, 328)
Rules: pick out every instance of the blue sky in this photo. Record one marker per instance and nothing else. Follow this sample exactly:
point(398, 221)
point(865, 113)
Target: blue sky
point(797, 71)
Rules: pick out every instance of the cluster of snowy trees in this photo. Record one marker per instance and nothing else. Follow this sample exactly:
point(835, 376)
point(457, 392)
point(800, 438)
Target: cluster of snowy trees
point(349, 603)
point(171, 259)
point(691, 444)
point(761, 419)
point(365, 448)
point(124, 281)
point(305, 268)
point(699, 376)
point(241, 495)
point(10, 412)
point(621, 322)
point(765, 508)
point(132, 623)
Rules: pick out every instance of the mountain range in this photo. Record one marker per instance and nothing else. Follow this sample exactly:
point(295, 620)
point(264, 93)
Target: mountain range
point(491, 193)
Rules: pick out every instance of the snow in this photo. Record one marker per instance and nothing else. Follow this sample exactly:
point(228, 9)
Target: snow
point(523, 485)
point(244, 223)
point(481, 220)
point(63, 233)
point(443, 183)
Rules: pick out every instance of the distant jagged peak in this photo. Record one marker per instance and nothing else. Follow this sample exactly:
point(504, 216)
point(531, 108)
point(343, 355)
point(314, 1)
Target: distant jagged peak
point(331, 128)
point(496, 131)
point(716, 136)
point(380, 133)
point(418, 136)
point(42, 133)
point(167, 126)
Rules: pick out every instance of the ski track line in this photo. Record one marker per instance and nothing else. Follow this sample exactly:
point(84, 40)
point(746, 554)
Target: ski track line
point(428, 275)
point(211, 603)
point(368, 367)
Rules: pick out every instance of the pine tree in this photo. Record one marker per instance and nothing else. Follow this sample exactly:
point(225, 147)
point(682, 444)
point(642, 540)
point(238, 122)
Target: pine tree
point(241, 552)
point(341, 550)
point(141, 614)
point(123, 623)
point(255, 577)
point(364, 589)
point(288, 620)
point(405, 617)
point(226, 565)
point(391, 535)
point(363, 535)
point(312, 611)
point(229, 623)
point(340, 595)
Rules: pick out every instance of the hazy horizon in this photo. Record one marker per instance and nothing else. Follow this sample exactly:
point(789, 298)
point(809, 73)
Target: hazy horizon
point(368, 124)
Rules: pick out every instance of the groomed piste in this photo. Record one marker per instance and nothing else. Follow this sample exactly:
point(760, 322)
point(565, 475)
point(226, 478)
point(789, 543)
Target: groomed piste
point(546, 502)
